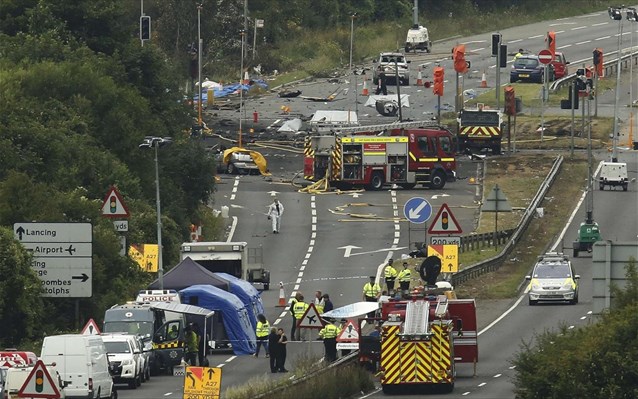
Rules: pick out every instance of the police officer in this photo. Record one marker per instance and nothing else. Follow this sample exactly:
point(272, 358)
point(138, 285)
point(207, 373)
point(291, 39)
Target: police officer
point(262, 331)
point(371, 292)
point(298, 310)
point(390, 276)
point(191, 340)
point(404, 277)
point(329, 335)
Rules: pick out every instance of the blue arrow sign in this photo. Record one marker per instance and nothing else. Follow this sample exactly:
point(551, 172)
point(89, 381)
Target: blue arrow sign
point(417, 210)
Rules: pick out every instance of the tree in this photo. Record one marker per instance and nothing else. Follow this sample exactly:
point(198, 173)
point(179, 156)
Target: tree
point(20, 303)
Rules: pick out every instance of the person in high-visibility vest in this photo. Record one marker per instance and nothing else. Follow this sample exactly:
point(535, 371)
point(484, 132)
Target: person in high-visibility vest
point(319, 302)
point(262, 331)
point(294, 300)
point(371, 292)
point(390, 276)
point(299, 309)
point(329, 335)
point(520, 53)
point(404, 277)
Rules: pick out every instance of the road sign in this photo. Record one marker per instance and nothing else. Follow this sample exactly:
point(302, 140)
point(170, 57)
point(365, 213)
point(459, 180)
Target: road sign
point(417, 210)
point(91, 328)
point(443, 240)
point(449, 255)
point(120, 225)
point(496, 201)
point(349, 333)
point(545, 56)
point(202, 382)
point(311, 318)
point(113, 205)
point(39, 384)
point(445, 222)
point(146, 256)
point(62, 256)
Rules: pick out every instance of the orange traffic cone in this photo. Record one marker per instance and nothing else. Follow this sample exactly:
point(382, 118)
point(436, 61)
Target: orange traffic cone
point(365, 92)
point(246, 78)
point(419, 78)
point(282, 296)
point(285, 109)
point(483, 80)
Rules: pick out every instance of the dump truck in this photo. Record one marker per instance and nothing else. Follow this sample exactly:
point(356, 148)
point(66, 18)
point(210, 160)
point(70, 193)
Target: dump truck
point(234, 258)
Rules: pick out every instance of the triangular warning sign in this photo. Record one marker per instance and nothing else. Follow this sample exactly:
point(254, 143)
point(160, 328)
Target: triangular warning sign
point(445, 222)
point(349, 333)
point(39, 384)
point(91, 328)
point(311, 318)
point(113, 205)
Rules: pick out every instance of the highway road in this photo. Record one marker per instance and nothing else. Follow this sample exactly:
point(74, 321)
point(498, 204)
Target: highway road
point(307, 255)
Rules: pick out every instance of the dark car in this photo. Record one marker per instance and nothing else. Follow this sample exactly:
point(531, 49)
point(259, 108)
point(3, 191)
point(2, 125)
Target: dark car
point(529, 68)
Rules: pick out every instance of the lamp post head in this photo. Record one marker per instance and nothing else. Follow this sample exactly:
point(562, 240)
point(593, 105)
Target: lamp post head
point(154, 141)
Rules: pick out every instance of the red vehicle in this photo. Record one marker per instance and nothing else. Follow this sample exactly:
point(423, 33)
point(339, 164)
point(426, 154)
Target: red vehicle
point(424, 337)
point(14, 357)
point(560, 65)
point(405, 154)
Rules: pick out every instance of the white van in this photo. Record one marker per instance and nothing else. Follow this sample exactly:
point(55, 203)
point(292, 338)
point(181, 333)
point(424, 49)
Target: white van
point(613, 174)
point(125, 359)
point(82, 363)
point(16, 377)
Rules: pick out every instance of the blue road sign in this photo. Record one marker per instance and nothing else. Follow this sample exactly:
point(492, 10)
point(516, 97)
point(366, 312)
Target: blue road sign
point(417, 210)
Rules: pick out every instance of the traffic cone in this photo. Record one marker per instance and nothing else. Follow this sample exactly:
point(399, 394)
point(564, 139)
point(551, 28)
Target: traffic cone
point(630, 142)
point(419, 78)
point(285, 109)
point(483, 80)
point(246, 78)
point(365, 88)
point(282, 296)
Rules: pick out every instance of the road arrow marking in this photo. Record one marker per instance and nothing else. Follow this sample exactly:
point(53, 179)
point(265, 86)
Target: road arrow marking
point(440, 195)
point(415, 213)
point(355, 195)
point(348, 250)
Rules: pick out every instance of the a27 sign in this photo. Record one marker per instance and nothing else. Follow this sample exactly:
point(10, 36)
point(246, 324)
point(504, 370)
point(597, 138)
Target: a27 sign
point(449, 255)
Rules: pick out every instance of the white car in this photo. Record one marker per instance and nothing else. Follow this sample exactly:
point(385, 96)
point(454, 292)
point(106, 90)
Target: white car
point(124, 359)
point(392, 64)
point(613, 174)
point(553, 280)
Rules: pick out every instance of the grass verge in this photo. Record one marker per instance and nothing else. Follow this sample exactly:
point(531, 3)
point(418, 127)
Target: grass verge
point(338, 382)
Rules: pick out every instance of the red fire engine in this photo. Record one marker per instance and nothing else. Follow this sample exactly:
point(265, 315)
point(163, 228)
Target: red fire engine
point(424, 337)
point(405, 154)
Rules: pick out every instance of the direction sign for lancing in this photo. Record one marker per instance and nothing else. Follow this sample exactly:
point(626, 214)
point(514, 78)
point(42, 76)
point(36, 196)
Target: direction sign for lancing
point(62, 256)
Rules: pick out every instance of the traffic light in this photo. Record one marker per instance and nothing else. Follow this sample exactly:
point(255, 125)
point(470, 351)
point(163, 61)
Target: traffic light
point(551, 43)
point(503, 56)
point(496, 41)
point(145, 27)
point(598, 61)
point(510, 101)
point(460, 65)
point(438, 81)
point(39, 380)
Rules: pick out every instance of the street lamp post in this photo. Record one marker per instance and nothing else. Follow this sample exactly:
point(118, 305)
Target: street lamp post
point(156, 143)
point(615, 13)
point(241, 86)
point(352, 17)
point(199, 64)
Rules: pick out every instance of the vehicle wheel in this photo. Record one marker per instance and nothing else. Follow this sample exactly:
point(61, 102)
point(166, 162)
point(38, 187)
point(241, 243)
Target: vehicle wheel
point(532, 303)
point(132, 384)
point(512, 80)
point(113, 393)
point(266, 287)
point(138, 380)
point(496, 150)
point(407, 49)
point(231, 169)
point(148, 373)
point(574, 301)
point(437, 181)
point(575, 253)
point(624, 187)
point(408, 186)
point(601, 186)
point(376, 182)
point(143, 376)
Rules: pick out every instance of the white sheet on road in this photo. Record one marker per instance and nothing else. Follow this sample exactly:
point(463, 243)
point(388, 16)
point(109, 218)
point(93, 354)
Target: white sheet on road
point(291, 126)
point(405, 100)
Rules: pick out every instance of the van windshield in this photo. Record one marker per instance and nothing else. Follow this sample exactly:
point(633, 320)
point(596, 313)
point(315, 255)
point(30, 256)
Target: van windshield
point(142, 328)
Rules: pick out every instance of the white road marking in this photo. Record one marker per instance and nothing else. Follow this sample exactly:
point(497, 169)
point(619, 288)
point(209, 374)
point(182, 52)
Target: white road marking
point(559, 31)
point(535, 37)
point(168, 393)
point(600, 23)
point(314, 212)
point(562, 47)
point(578, 28)
point(314, 219)
point(311, 248)
point(479, 49)
point(501, 317)
point(583, 42)
point(221, 365)
point(497, 375)
point(232, 229)
point(465, 393)
point(482, 384)
point(302, 268)
point(515, 41)
point(570, 327)
point(603, 38)
point(583, 317)
point(312, 242)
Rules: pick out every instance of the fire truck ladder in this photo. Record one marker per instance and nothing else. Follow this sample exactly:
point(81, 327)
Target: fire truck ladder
point(417, 315)
point(385, 126)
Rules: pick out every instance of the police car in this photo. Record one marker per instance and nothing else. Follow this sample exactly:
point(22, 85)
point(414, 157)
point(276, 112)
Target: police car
point(553, 280)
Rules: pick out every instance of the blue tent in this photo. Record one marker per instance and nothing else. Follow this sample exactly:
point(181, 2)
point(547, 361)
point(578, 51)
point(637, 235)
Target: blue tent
point(240, 332)
point(246, 293)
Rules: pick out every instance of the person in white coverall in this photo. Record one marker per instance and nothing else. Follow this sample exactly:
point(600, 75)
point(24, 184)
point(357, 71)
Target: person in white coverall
point(275, 210)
